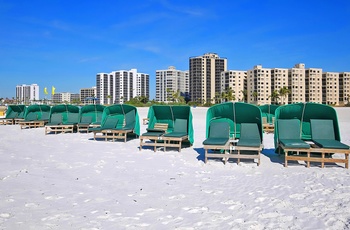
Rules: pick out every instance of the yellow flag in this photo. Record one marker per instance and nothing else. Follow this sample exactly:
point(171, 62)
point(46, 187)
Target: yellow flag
point(53, 90)
point(45, 91)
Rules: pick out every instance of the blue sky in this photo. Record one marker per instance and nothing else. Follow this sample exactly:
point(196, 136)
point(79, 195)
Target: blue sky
point(65, 43)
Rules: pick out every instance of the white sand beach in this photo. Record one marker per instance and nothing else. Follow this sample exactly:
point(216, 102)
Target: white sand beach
point(70, 181)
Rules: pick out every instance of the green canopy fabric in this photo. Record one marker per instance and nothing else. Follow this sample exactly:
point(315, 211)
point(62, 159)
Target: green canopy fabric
point(168, 114)
point(235, 114)
point(119, 111)
point(39, 110)
point(64, 110)
point(268, 111)
point(93, 111)
point(304, 112)
point(15, 111)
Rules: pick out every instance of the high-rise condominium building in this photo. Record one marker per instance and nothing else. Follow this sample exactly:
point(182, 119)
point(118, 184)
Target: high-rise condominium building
point(88, 95)
point(171, 81)
point(296, 82)
point(259, 85)
point(121, 86)
point(65, 97)
point(205, 76)
point(236, 80)
point(279, 80)
point(344, 87)
point(27, 93)
point(313, 85)
point(330, 88)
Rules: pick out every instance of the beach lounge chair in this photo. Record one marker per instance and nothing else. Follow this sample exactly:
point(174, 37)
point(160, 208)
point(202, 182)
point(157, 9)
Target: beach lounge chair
point(177, 136)
point(323, 135)
point(84, 124)
point(9, 119)
point(122, 132)
point(154, 135)
point(218, 139)
point(290, 139)
point(249, 141)
point(55, 120)
point(31, 121)
point(109, 123)
point(130, 121)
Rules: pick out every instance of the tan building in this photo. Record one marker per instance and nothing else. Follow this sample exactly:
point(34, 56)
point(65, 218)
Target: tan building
point(344, 88)
point(88, 95)
point(313, 85)
point(205, 76)
point(330, 88)
point(235, 80)
point(296, 81)
point(259, 85)
point(279, 79)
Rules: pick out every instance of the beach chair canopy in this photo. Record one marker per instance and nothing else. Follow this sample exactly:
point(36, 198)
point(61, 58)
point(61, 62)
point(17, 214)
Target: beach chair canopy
point(42, 111)
point(127, 116)
point(64, 110)
point(268, 112)
point(168, 114)
point(93, 111)
point(304, 112)
point(15, 111)
point(235, 114)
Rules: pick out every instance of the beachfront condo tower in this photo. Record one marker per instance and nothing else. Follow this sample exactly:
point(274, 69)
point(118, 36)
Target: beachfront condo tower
point(235, 80)
point(330, 88)
point(205, 77)
point(313, 85)
point(279, 86)
point(344, 87)
point(169, 82)
point(26, 94)
point(259, 85)
point(120, 86)
point(296, 81)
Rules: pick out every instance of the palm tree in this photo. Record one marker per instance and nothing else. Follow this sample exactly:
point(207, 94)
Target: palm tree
point(274, 97)
point(255, 96)
point(283, 92)
point(244, 93)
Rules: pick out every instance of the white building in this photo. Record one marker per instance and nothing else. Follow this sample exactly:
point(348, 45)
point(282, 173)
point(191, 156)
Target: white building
point(120, 86)
point(26, 94)
point(171, 81)
point(88, 95)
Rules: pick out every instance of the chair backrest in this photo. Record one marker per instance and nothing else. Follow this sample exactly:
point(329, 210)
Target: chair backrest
point(56, 118)
point(288, 128)
point(12, 115)
point(250, 131)
point(110, 123)
point(31, 116)
point(180, 125)
point(73, 117)
point(322, 129)
point(86, 119)
point(219, 129)
point(130, 119)
point(45, 116)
